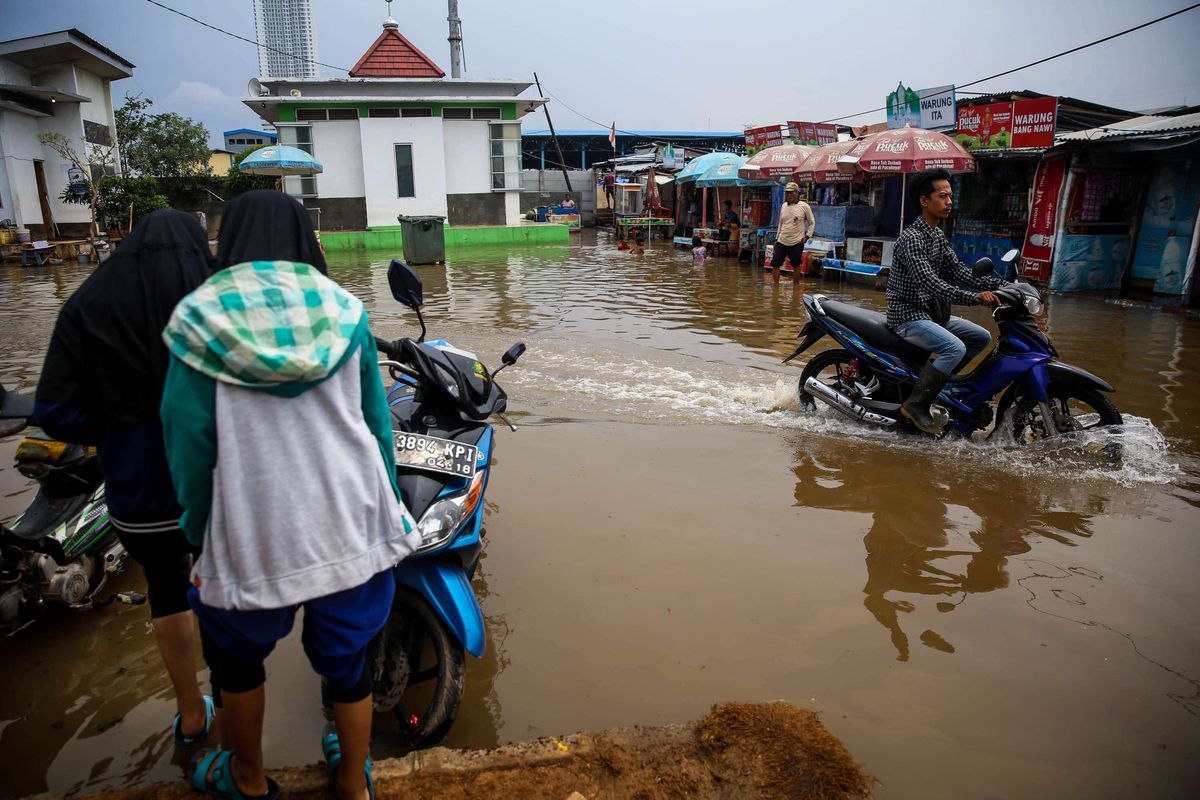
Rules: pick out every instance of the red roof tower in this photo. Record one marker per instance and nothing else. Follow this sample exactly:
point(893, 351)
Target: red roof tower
point(393, 56)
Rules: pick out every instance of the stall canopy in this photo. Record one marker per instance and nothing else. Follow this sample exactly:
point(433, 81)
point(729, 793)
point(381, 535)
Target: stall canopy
point(775, 162)
point(821, 165)
point(906, 150)
point(710, 162)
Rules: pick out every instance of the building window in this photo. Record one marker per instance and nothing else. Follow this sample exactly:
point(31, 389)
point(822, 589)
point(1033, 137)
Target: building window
point(506, 156)
point(310, 114)
point(343, 113)
point(376, 113)
point(300, 137)
point(405, 186)
point(470, 113)
point(416, 112)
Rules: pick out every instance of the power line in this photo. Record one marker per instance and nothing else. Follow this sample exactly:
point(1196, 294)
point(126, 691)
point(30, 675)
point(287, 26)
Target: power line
point(1042, 60)
point(964, 85)
point(243, 38)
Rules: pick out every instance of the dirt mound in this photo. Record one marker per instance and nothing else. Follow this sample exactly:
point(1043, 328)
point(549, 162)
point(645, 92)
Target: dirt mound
point(737, 751)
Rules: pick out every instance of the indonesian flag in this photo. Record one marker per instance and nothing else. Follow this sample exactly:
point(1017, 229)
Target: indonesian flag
point(612, 135)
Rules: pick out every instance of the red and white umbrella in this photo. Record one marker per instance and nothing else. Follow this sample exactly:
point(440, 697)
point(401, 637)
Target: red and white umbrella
point(822, 165)
point(906, 150)
point(775, 162)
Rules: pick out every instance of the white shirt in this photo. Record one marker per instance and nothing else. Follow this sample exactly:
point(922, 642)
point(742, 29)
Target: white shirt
point(796, 222)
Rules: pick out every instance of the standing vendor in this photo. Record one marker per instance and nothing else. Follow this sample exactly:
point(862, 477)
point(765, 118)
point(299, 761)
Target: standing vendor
point(796, 226)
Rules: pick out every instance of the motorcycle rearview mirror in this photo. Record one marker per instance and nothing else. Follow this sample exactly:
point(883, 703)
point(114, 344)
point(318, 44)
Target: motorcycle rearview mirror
point(510, 357)
point(406, 288)
point(405, 284)
point(983, 266)
point(1010, 256)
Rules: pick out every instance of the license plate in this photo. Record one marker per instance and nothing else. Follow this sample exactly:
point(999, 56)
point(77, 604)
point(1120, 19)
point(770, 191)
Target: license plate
point(436, 455)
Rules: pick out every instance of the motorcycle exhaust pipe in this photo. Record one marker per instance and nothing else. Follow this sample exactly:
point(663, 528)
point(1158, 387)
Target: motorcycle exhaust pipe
point(844, 404)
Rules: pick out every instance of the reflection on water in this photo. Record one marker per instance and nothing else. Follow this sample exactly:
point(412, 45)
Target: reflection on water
point(938, 534)
point(668, 531)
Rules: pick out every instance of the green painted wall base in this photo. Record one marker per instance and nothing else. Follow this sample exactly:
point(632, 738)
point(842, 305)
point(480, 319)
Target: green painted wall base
point(389, 238)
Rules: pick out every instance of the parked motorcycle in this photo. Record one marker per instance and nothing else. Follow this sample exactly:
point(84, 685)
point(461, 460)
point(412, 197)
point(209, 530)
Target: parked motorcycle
point(62, 549)
point(440, 403)
point(869, 377)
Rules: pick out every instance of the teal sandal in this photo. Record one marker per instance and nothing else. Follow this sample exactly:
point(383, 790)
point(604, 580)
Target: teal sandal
point(221, 783)
point(210, 710)
point(332, 750)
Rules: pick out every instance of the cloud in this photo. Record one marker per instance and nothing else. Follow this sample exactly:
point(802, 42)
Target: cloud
point(209, 105)
point(198, 94)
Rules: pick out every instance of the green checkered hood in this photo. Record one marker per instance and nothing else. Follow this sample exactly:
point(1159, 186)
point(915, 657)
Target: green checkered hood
point(264, 323)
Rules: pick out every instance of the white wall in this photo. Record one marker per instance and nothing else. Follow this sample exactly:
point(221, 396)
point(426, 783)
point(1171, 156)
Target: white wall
point(98, 110)
point(378, 138)
point(338, 146)
point(68, 121)
point(468, 159)
point(19, 134)
point(512, 208)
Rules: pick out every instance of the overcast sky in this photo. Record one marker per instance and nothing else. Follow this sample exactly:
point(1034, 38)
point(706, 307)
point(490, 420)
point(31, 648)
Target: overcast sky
point(670, 65)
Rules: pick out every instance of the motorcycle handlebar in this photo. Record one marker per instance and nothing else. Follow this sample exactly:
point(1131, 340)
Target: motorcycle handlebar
point(389, 349)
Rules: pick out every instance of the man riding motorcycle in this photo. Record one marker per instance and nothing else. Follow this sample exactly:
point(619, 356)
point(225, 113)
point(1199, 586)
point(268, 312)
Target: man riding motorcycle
point(925, 279)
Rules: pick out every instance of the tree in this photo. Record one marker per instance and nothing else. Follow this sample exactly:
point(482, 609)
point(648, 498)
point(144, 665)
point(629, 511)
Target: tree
point(94, 166)
point(162, 145)
point(237, 181)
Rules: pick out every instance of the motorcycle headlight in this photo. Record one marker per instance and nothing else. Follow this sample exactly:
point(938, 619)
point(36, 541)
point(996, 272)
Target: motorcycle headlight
point(440, 522)
point(1033, 304)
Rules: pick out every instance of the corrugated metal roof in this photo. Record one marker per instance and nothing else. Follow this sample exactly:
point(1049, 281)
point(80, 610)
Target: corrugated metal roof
point(1149, 125)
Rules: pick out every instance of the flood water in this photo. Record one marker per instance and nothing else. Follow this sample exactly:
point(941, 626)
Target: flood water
point(667, 530)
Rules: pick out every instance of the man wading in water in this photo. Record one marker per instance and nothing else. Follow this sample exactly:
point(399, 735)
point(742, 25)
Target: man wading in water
point(924, 281)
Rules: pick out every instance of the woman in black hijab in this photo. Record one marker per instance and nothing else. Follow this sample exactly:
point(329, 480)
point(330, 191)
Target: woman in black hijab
point(266, 225)
point(101, 385)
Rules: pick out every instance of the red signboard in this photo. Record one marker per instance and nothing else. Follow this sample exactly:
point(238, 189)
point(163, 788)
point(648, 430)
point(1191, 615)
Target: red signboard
point(1043, 215)
point(812, 133)
point(985, 127)
point(1025, 123)
point(767, 136)
point(1033, 122)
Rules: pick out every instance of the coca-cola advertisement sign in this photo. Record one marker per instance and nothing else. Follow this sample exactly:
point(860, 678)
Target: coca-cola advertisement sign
point(1043, 216)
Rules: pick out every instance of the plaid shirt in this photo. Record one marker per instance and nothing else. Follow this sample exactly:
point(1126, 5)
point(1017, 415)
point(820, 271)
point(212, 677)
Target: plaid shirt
point(924, 269)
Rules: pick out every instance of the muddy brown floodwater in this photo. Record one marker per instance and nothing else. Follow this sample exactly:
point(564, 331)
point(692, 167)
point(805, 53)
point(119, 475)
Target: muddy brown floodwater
point(668, 530)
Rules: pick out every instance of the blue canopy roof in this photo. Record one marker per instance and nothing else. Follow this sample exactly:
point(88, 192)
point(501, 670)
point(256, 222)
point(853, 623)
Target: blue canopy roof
point(716, 169)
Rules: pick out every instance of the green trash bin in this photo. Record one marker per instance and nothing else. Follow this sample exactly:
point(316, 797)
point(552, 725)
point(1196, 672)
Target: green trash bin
point(424, 239)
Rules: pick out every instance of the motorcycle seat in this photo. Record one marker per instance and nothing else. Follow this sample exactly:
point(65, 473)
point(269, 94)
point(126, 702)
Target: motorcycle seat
point(872, 327)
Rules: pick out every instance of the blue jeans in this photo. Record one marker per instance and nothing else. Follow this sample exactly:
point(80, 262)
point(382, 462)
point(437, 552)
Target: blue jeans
point(955, 344)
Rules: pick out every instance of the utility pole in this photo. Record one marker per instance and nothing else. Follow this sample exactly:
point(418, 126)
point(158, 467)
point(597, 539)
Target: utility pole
point(554, 136)
point(455, 39)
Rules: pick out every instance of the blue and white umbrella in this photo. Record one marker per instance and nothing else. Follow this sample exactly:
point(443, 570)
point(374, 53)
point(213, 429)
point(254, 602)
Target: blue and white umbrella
point(280, 159)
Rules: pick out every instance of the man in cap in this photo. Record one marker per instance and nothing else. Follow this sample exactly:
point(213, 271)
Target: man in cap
point(796, 225)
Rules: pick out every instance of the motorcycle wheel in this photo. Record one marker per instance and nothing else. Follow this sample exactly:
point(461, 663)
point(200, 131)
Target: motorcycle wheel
point(1075, 408)
point(434, 670)
point(828, 367)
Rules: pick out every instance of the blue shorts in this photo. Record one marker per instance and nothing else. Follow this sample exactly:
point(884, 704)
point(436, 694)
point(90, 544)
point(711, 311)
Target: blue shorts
point(337, 629)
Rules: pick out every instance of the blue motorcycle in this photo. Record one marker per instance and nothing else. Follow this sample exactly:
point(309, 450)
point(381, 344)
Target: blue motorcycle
point(440, 403)
point(874, 370)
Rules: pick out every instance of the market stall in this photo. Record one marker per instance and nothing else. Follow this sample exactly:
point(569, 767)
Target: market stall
point(716, 176)
point(897, 152)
